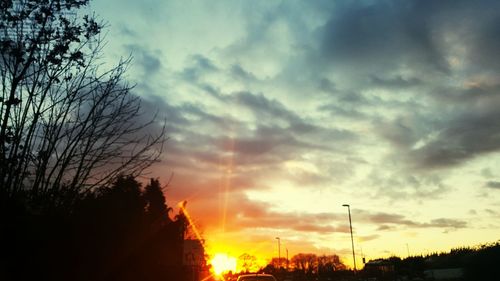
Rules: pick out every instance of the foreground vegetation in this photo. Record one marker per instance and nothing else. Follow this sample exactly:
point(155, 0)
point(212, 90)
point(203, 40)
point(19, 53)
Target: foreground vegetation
point(475, 263)
point(73, 138)
point(120, 232)
point(467, 263)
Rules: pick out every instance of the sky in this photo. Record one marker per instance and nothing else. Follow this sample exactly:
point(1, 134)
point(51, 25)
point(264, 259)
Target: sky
point(280, 112)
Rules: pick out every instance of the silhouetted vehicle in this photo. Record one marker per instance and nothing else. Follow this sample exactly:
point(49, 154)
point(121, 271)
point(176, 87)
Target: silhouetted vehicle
point(256, 277)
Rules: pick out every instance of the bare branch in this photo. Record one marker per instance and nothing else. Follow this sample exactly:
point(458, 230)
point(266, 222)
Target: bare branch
point(65, 122)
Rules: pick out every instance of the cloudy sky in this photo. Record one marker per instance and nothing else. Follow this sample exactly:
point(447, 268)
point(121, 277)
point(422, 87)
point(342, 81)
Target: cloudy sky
point(279, 112)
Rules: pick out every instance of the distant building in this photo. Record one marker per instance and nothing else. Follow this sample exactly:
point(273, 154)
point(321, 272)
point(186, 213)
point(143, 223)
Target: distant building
point(380, 269)
point(381, 266)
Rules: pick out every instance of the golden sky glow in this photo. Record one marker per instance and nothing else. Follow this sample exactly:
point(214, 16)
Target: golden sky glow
point(223, 263)
point(279, 112)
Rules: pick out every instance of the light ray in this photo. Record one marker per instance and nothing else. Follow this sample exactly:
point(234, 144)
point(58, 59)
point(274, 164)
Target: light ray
point(182, 206)
point(227, 184)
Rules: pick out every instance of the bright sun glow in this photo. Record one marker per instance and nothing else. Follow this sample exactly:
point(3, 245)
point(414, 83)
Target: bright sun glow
point(223, 263)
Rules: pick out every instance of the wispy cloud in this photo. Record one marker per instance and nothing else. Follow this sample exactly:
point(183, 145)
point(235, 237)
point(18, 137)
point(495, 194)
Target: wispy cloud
point(381, 103)
point(386, 220)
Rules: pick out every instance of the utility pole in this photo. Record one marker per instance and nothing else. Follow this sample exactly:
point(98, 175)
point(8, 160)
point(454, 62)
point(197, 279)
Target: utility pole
point(279, 253)
point(286, 259)
point(352, 239)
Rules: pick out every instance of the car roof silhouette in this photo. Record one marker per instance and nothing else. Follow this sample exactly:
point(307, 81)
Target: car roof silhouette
point(256, 277)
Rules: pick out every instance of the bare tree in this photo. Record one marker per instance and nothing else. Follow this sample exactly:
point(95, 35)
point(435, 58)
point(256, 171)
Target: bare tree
point(248, 262)
point(304, 262)
point(330, 263)
point(66, 124)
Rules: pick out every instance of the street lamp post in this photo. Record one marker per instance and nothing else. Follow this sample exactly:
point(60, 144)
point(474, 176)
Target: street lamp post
point(287, 259)
point(352, 239)
point(279, 252)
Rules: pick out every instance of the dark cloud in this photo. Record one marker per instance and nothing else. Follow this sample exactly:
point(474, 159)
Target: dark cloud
point(393, 34)
point(482, 36)
point(493, 184)
point(386, 221)
point(272, 109)
point(204, 63)
point(350, 112)
point(240, 73)
point(469, 97)
point(320, 223)
point(491, 212)
point(466, 137)
point(327, 85)
point(384, 34)
point(173, 114)
point(125, 30)
point(259, 216)
point(261, 105)
point(394, 182)
point(395, 82)
point(425, 139)
point(446, 223)
point(251, 154)
point(376, 42)
point(400, 132)
point(385, 227)
point(198, 67)
point(212, 91)
point(149, 61)
point(268, 145)
point(369, 237)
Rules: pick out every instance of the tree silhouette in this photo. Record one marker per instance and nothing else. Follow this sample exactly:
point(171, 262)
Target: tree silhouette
point(157, 210)
point(108, 235)
point(73, 138)
point(66, 124)
point(476, 263)
point(247, 262)
point(305, 262)
point(330, 263)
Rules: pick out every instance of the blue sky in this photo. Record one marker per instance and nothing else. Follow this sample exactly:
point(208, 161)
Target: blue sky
point(279, 112)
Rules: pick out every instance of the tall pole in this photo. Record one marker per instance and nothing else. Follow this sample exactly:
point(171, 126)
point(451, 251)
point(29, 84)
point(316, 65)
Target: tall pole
point(287, 259)
point(279, 252)
point(352, 239)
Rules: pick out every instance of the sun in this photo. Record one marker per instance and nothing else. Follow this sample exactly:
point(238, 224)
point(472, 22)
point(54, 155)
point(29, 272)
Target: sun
point(222, 263)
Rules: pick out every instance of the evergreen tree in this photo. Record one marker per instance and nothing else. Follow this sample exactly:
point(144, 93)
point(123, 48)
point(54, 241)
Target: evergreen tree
point(156, 208)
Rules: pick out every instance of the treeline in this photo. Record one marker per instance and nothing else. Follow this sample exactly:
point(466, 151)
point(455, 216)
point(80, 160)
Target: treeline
point(307, 266)
point(472, 263)
point(117, 232)
point(476, 263)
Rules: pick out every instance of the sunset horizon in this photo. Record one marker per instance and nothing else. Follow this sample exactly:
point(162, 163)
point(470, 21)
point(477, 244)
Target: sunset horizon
point(300, 140)
point(278, 113)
